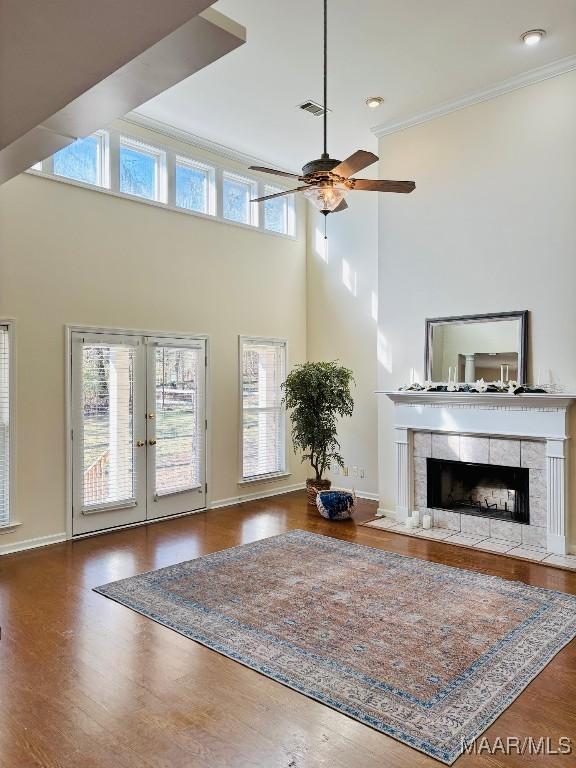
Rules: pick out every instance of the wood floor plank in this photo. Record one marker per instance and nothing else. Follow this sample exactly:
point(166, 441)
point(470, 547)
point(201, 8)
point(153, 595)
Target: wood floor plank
point(87, 683)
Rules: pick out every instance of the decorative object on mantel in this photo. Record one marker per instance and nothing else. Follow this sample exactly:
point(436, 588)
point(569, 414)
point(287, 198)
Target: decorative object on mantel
point(344, 624)
point(336, 505)
point(479, 387)
point(317, 394)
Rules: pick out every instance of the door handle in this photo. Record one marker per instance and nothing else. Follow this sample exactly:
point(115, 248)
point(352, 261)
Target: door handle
point(140, 443)
point(152, 442)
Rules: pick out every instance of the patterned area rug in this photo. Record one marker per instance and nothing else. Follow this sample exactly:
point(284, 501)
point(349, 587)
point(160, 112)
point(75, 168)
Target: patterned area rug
point(426, 653)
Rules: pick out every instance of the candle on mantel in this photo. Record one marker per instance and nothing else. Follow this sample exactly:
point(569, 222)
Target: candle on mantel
point(416, 518)
point(409, 523)
point(427, 522)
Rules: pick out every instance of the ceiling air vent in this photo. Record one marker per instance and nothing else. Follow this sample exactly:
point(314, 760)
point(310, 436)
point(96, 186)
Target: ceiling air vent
point(313, 107)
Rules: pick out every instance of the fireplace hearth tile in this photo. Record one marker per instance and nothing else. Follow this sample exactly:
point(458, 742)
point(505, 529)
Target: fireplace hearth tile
point(446, 447)
point(475, 449)
point(529, 554)
point(502, 529)
point(497, 545)
point(462, 538)
point(567, 561)
point(478, 526)
point(423, 444)
point(533, 454)
point(504, 452)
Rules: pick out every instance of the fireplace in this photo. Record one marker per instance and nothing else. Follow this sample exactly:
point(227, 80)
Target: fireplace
point(484, 490)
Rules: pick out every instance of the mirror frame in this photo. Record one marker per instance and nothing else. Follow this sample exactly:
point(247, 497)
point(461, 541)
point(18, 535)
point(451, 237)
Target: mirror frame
point(522, 316)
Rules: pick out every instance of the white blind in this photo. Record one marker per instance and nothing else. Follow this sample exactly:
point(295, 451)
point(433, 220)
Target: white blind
point(263, 417)
point(4, 426)
point(107, 423)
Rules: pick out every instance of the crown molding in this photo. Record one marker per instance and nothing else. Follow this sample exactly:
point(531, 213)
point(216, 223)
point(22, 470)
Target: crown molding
point(199, 142)
point(560, 67)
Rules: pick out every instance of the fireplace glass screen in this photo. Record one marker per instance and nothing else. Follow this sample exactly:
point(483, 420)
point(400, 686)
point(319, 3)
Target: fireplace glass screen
point(479, 489)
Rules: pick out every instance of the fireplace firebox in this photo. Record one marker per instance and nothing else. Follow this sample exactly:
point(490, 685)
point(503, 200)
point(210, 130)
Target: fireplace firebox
point(484, 490)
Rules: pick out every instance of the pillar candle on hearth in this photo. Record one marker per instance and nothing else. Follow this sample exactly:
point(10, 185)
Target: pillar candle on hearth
point(427, 521)
point(416, 518)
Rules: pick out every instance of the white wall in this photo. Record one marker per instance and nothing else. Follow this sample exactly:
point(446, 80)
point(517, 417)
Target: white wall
point(76, 256)
point(342, 317)
point(490, 227)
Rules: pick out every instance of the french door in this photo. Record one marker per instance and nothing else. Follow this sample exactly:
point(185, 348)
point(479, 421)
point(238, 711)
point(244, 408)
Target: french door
point(138, 428)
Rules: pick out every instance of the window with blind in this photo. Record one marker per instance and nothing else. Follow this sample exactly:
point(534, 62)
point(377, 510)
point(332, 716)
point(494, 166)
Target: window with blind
point(4, 425)
point(263, 370)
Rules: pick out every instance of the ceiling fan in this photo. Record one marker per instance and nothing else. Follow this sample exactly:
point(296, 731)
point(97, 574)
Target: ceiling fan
point(326, 180)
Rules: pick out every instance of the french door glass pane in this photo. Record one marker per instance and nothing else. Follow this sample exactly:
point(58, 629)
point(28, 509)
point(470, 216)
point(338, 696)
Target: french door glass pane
point(178, 409)
point(108, 423)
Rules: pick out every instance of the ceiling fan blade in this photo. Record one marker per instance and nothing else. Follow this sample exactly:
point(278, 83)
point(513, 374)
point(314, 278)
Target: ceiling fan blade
point(278, 194)
point(272, 170)
point(341, 207)
point(356, 162)
point(380, 185)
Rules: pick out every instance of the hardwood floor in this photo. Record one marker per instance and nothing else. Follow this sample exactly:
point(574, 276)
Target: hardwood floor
point(87, 683)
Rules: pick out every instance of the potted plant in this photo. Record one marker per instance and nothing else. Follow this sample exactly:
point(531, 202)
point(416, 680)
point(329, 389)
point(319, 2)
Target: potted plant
point(317, 394)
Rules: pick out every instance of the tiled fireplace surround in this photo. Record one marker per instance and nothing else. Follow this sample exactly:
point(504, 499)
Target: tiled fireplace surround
point(485, 450)
point(508, 430)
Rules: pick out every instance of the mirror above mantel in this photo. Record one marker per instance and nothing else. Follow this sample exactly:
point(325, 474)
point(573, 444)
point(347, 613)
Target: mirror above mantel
point(492, 347)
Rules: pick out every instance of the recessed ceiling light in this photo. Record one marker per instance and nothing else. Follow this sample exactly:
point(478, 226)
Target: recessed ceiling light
point(374, 101)
point(533, 36)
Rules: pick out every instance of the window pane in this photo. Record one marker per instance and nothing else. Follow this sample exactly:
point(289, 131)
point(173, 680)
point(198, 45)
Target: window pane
point(263, 443)
point(192, 188)
point(263, 368)
point(177, 412)
point(275, 212)
point(80, 160)
point(4, 427)
point(108, 398)
point(138, 172)
point(236, 195)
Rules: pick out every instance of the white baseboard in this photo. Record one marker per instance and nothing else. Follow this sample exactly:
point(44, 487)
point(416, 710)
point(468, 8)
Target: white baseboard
point(218, 503)
point(381, 512)
point(39, 541)
point(361, 494)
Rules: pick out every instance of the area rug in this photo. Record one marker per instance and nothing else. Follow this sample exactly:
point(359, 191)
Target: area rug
point(426, 653)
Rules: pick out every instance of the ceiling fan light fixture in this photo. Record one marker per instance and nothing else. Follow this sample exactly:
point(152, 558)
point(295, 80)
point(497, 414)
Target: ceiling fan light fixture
point(374, 101)
point(325, 198)
point(533, 36)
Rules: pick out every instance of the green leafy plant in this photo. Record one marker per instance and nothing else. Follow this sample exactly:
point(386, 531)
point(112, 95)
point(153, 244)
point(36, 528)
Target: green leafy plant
point(318, 394)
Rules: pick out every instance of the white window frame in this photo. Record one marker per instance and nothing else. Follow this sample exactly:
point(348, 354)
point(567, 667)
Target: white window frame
point(210, 171)
point(159, 155)
point(253, 208)
point(11, 523)
point(112, 138)
point(245, 480)
point(103, 167)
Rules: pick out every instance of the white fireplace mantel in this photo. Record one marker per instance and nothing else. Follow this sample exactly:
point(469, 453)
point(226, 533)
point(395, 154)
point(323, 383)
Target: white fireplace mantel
point(528, 416)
